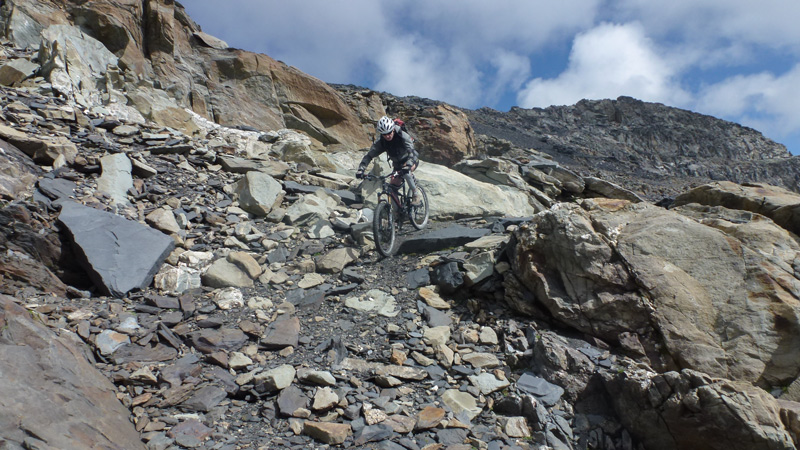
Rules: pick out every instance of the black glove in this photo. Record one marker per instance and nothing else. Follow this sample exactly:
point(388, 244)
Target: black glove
point(360, 174)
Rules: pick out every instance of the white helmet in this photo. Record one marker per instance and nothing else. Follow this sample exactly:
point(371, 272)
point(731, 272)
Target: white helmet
point(385, 125)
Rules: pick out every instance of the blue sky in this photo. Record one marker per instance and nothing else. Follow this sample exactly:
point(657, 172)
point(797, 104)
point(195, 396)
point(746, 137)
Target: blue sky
point(734, 59)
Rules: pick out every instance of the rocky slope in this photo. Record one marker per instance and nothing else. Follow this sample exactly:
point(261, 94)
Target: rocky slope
point(169, 281)
point(640, 144)
point(654, 150)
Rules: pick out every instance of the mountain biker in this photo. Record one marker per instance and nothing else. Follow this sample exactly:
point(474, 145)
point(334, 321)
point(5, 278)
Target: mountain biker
point(400, 147)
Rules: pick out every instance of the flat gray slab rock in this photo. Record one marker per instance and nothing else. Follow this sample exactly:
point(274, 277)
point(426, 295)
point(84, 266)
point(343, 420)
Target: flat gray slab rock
point(545, 391)
point(119, 255)
point(441, 239)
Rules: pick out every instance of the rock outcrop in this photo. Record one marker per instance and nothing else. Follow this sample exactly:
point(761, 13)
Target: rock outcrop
point(678, 403)
point(778, 204)
point(676, 283)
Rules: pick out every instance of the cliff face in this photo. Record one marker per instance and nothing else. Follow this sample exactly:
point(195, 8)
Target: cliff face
point(648, 147)
point(154, 44)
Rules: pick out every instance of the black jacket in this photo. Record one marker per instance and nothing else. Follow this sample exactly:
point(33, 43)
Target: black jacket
point(400, 150)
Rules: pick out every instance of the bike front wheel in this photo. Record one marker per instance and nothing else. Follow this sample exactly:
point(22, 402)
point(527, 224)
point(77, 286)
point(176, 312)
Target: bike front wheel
point(419, 213)
point(383, 231)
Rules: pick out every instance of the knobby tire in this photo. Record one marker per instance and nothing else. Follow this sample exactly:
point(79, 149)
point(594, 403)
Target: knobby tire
point(383, 230)
point(419, 214)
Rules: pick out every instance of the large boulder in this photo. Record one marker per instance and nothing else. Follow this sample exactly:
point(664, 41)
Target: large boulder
point(52, 396)
point(688, 409)
point(119, 255)
point(455, 195)
point(258, 193)
point(714, 291)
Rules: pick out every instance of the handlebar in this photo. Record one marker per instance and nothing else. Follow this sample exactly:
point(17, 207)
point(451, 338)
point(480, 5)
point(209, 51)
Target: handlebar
point(369, 176)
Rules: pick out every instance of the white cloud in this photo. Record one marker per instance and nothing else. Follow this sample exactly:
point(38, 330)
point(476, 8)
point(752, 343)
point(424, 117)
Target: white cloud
point(715, 23)
point(412, 68)
point(478, 51)
point(606, 62)
point(524, 25)
point(766, 102)
point(511, 71)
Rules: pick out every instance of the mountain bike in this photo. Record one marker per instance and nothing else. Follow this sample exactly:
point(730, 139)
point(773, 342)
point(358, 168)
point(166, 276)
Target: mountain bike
point(394, 206)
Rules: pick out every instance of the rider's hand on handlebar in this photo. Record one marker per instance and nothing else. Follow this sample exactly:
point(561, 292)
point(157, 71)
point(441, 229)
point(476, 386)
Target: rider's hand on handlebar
point(360, 174)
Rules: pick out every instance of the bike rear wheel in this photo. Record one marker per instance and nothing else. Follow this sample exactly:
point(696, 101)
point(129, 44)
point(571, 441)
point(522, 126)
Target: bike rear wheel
point(383, 231)
point(419, 213)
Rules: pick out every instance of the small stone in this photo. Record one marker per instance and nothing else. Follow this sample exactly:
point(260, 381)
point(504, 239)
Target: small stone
point(373, 433)
point(488, 383)
point(461, 402)
point(436, 335)
point(145, 376)
point(429, 295)
point(284, 332)
point(422, 360)
point(163, 219)
point(398, 357)
point(328, 433)
point(325, 399)
point(542, 389)
point(470, 336)
point(296, 425)
point(444, 355)
point(205, 399)
point(291, 401)
point(488, 336)
point(259, 303)
point(401, 424)
point(275, 379)
point(402, 372)
point(239, 360)
point(517, 427)
point(481, 360)
point(317, 377)
point(141, 399)
point(429, 418)
point(373, 415)
point(387, 382)
point(229, 298)
point(108, 341)
point(310, 280)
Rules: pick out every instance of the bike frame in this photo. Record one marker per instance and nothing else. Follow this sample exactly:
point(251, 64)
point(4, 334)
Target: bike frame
point(394, 192)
